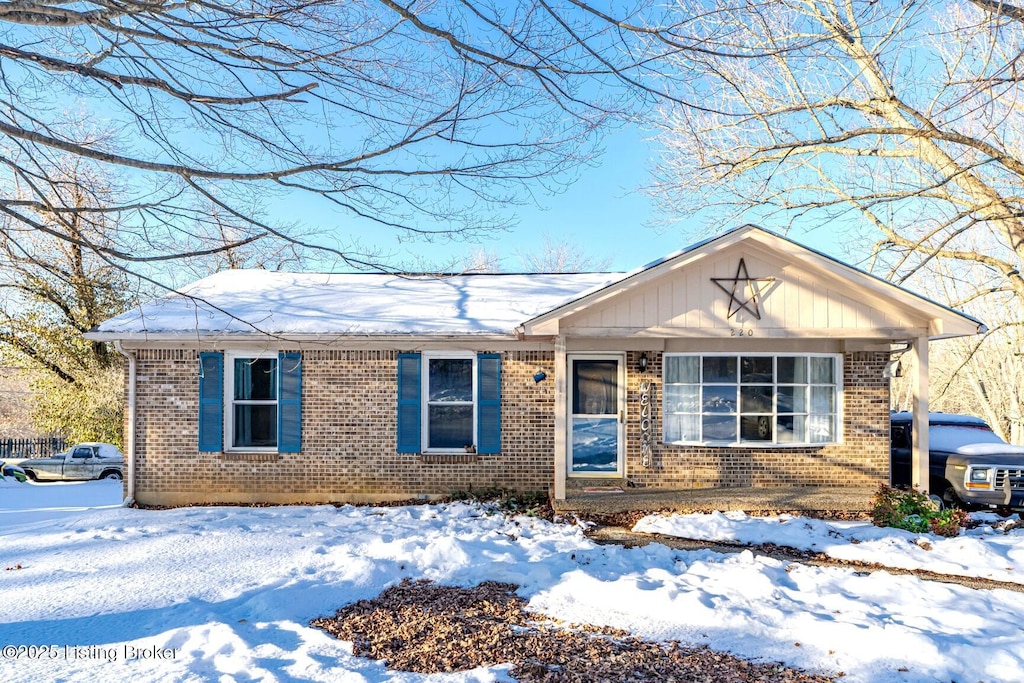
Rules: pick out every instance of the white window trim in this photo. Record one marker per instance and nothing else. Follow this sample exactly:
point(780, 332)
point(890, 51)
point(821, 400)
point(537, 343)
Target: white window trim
point(229, 401)
point(839, 398)
point(425, 359)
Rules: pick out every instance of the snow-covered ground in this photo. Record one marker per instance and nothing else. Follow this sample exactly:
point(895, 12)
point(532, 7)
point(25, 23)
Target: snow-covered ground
point(95, 592)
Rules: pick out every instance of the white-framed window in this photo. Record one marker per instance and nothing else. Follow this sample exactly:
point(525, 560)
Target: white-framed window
point(449, 401)
point(751, 399)
point(251, 390)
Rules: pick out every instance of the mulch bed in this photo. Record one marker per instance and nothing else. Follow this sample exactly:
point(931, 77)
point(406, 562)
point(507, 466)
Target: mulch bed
point(422, 627)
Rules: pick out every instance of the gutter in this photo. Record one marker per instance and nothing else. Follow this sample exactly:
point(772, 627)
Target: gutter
point(129, 437)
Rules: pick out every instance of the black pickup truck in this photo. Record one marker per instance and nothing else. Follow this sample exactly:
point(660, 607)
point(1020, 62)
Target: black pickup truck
point(969, 465)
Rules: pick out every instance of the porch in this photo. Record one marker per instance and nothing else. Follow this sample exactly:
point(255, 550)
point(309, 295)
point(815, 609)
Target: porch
point(598, 502)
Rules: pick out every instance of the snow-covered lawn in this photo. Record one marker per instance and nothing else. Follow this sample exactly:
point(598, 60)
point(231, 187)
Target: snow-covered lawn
point(96, 592)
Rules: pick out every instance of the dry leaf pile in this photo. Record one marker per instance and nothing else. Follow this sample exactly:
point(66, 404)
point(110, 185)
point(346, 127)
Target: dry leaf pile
point(422, 627)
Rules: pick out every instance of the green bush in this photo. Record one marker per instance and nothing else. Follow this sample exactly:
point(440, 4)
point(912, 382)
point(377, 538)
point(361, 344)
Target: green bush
point(913, 511)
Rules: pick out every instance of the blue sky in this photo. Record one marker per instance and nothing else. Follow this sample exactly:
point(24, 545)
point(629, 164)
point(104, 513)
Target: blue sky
point(604, 211)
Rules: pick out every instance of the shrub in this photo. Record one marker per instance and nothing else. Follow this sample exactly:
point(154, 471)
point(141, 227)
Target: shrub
point(530, 503)
point(913, 511)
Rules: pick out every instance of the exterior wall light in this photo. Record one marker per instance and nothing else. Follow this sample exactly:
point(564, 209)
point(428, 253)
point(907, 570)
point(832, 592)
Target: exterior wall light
point(643, 362)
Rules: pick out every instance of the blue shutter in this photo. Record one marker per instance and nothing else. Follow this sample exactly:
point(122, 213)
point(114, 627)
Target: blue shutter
point(408, 403)
point(211, 402)
point(289, 403)
point(488, 403)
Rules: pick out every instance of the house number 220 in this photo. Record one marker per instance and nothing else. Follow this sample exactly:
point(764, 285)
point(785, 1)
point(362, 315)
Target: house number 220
point(740, 332)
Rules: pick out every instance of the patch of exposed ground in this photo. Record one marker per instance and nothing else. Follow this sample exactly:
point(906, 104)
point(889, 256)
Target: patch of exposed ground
point(422, 627)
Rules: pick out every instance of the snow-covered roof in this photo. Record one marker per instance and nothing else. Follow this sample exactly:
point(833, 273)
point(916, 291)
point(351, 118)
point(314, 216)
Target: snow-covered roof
point(257, 302)
point(240, 302)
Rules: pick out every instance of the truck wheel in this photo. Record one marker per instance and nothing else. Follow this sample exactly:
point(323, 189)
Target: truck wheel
point(31, 475)
point(950, 498)
point(111, 475)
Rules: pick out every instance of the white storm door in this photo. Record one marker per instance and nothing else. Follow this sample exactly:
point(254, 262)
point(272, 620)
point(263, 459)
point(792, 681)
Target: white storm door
point(596, 439)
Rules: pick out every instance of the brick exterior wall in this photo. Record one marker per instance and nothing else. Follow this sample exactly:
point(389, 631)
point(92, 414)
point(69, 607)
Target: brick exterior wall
point(348, 453)
point(349, 438)
point(861, 460)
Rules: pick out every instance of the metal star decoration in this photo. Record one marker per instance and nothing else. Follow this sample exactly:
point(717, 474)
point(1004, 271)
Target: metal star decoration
point(747, 299)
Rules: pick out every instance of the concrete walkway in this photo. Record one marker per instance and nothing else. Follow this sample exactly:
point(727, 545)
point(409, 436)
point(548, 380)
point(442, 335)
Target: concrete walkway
point(806, 499)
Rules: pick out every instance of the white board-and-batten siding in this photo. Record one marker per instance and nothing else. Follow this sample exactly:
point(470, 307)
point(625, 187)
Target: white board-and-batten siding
point(800, 301)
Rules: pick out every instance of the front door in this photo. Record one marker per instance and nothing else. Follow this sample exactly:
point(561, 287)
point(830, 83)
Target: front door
point(596, 415)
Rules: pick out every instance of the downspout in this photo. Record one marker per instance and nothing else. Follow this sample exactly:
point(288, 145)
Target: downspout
point(129, 436)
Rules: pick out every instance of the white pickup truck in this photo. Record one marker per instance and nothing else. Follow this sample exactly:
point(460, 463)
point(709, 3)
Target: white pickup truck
point(81, 461)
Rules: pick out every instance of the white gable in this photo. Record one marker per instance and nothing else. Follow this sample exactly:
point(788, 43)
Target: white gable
point(753, 283)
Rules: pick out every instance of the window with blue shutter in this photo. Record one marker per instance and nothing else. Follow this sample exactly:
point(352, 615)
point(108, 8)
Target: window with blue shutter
point(409, 403)
point(211, 402)
point(488, 425)
point(449, 402)
point(250, 403)
point(289, 404)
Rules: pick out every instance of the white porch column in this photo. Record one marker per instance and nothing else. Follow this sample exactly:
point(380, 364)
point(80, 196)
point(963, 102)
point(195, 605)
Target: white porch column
point(560, 417)
point(919, 449)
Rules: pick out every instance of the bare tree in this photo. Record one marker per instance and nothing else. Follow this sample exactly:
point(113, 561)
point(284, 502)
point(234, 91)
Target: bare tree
point(416, 115)
point(897, 124)
point(15, 420)
point(562, 255)
point(556, 255)
point(901, 118)
point(52, 289)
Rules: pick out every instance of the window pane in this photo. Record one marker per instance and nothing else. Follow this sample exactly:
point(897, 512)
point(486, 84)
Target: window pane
point(791, 429)
point(595, 444)
point(719, 400)
point(682, 398)
point(255, 426)
point(756, 370)
point(719, 427)
point(451, 379)
point(720, 369)
point(822, 371)
point(756, 428)
point(792, 400)
point(755, 399)
point(822, 400)
point(682, 428)
point(822, 428)
point(255, 379)
point(451, 426)
point(595, 387)
point(792, 369)
point(682, 369)
point(787, 399)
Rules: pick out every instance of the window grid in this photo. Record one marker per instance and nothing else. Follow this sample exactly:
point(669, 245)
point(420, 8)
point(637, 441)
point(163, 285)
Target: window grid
point(252, 419)
point(750, 398)
point(449, 403)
